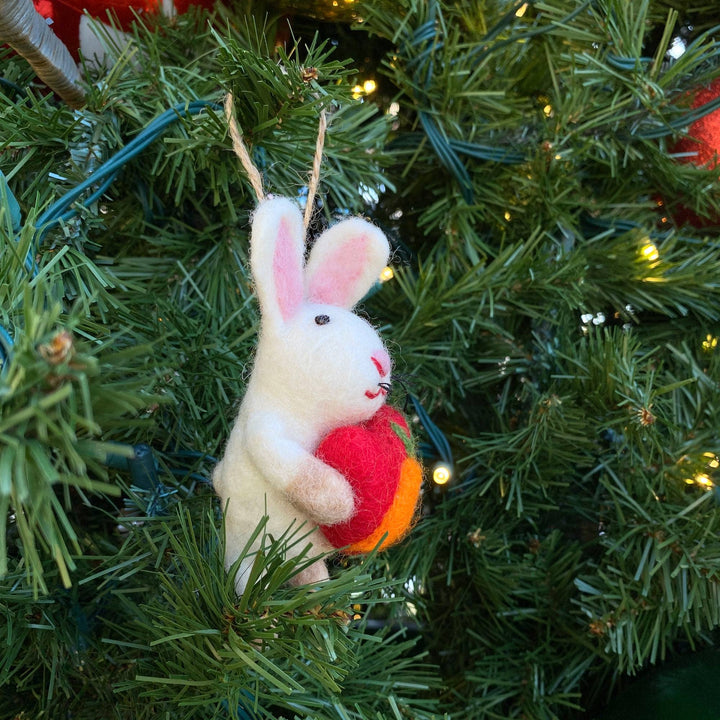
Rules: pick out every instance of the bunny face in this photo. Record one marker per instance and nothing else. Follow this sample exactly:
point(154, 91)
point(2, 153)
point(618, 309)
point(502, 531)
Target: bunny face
point(315, 357)
point(335, 369)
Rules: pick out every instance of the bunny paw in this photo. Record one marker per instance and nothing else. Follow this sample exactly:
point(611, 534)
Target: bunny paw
point(323, 493)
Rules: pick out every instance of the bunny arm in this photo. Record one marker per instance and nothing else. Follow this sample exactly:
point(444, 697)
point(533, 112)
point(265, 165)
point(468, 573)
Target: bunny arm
point(312, 486)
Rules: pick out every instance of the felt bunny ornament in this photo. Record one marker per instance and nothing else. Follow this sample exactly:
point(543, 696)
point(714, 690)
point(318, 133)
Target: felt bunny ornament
point(318, 367)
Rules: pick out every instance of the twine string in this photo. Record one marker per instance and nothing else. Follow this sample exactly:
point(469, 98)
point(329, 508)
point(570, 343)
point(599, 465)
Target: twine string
point(254, 174)
point(315, 174)
point(241, 150)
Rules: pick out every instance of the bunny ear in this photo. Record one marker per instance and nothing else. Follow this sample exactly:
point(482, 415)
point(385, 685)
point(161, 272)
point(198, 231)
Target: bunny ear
point(345, 262)
point(276, 258)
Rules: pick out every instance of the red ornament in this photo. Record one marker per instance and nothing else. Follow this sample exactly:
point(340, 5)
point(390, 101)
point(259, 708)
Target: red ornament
point(704, 133)
point(373, 456)
point(67, 16)
point(701, 147)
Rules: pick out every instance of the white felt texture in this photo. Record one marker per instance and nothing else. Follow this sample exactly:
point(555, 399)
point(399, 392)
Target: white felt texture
point(333, 273)
point(308, 378)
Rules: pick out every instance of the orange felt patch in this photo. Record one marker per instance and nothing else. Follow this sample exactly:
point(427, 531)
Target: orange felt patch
point(399, 518)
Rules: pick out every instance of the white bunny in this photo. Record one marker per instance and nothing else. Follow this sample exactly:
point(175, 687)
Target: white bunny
point(317, 367)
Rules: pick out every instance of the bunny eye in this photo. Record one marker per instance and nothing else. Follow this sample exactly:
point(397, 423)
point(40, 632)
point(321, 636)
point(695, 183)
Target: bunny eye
point(322, 319)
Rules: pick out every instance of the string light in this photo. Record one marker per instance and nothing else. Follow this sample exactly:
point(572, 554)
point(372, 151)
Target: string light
point(710, 342)
point(368, 87)
point(650, 252)
point(548, 110)
point(386, 274)
point(521, 10)
point(713, 461)
point(441, 474)
point(703, 479)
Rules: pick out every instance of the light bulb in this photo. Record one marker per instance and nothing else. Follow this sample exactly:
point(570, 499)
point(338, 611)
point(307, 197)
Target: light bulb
point(441, 474)
point(386, 274)
point(710, 342)
point(650, 252)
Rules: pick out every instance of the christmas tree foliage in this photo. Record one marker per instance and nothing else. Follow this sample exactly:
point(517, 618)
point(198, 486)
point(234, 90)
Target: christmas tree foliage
point(553, 318)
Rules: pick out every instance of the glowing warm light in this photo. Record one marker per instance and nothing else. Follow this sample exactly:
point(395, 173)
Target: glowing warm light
point(650, 252)
point(521, 10)
point(548, 110)
point(368, 86)
point(508, 216)
point(394, 108)
point(386, 274)
point(704, 479)
point(710, 342)
point(441, 474)
point(712, 459)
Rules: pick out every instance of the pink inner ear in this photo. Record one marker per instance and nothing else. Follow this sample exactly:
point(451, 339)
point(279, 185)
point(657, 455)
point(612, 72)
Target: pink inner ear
point(334, 281)
point(287, 273)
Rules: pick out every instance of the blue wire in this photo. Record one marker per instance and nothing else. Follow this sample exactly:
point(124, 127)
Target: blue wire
point(11, 205)
point(58, 212)
point(438, 439)
point(6, 343)
point(107, 172)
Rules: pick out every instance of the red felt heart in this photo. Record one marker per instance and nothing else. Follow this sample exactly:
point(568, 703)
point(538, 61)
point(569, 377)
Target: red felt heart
point(370, 456)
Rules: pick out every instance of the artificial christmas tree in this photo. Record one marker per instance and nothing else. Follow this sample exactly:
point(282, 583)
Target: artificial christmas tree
point(558, 345)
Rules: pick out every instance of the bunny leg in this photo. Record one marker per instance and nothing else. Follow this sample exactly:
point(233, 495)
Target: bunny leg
point(317, 572)
point(243, 572)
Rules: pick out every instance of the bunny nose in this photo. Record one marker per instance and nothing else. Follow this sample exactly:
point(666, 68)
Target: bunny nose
point(381, 360)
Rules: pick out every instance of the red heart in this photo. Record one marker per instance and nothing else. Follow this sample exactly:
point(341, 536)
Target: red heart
point(370, 456)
